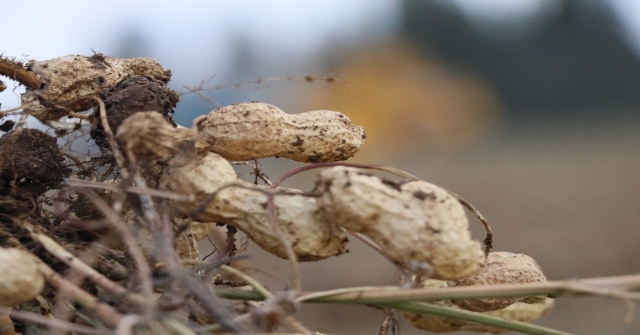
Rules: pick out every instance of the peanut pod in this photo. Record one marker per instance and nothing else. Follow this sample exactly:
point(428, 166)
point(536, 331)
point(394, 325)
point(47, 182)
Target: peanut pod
point(70, 81)
point(192, 170)
point(245, 207)
point(518, 311)
point(21, 281)
point(502, 268)
point(417, 224)
point(255, 130)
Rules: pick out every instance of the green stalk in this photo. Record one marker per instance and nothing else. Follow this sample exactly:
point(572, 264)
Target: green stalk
point(460, 314)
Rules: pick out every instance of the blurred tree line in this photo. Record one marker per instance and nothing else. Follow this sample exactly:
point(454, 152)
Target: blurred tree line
point(575, 60)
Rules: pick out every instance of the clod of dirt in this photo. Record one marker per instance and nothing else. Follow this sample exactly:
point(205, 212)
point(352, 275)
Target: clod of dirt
point(30, 164)
point(502, 268)
point(130, 96)
point(67, 83)
point(7, 125)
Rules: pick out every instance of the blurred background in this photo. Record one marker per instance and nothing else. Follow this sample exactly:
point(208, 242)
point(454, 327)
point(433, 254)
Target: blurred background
point(529, 109)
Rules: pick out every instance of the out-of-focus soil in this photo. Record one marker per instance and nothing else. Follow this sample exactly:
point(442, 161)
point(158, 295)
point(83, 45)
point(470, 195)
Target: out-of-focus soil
point(566, 193)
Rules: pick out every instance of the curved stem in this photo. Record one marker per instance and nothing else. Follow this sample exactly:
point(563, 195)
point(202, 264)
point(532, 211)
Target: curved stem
point(13, 69)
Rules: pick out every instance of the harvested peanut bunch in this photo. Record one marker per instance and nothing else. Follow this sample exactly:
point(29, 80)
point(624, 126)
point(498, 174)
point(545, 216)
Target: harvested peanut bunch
point(518, 311)
point(417, 224)
point(70, 81)
point(502, 268)
point(21, 281)
point(199, 173)
point(255, 130)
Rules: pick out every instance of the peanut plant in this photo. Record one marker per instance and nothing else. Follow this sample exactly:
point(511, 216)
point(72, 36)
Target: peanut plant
point(107, 244)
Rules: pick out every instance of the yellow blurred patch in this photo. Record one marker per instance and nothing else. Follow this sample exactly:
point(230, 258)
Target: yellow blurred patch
point(406, 101)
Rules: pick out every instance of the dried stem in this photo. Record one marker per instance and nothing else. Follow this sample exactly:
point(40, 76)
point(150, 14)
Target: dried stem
point(144, 271)
point(260, 81)
point(460, 314)
point(293, 259)
point(130, 189)
point(15, 70)
point(74, 262)
point(52, 323)
point(488, 241)
point(84, 300)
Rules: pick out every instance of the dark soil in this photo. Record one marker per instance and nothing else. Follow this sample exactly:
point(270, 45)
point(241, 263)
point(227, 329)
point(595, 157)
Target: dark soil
point(130, 96)
point(30, 164)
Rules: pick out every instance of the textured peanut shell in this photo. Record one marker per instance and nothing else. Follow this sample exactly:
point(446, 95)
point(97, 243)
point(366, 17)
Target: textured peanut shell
point(416, 223)
point(311, 237)
point(255, 130)
point(518, 311)
point(502, 268)
point(21, 281)
point(69, 81)
point(149, 136)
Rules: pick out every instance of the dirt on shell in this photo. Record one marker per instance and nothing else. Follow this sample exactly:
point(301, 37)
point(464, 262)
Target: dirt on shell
point(130, 96)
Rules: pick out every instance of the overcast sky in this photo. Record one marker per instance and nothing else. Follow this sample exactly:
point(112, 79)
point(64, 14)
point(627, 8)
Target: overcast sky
point(194, 38)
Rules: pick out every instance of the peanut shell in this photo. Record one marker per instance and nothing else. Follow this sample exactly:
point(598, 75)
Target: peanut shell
point(149, 136)
point(502, 268)
point(417, 224)
point(518, 311)
point(311, 237)
point(70, 81)
point(255, 130)
point(21, 281)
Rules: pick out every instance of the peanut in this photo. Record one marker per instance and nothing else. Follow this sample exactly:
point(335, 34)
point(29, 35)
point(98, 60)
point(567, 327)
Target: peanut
point(502, 268)
point(255, 130)
point(21, 281)
point(417, 224)
point(192, 170)
point(69, 81)
point(149, 136)
point(246, 208)
point(518, 311)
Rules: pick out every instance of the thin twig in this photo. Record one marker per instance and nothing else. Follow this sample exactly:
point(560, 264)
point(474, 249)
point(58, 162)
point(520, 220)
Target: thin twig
point(86, 301)
point(293, 259)
point(260, 81)
point(52, 323)
point(249, 280)
point(144, 271)
point(115, 148)
point(130, 189)
point(461, 314)
point(74, 262)
point(488, 241)
point(615, 287)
